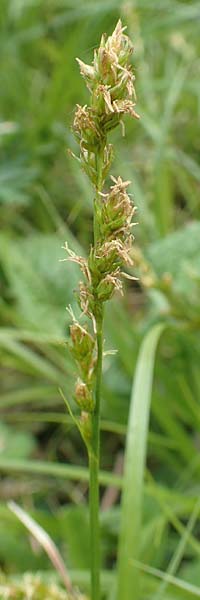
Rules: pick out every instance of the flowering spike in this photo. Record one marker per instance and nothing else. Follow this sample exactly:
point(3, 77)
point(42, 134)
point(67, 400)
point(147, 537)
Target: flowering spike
point(110, 80)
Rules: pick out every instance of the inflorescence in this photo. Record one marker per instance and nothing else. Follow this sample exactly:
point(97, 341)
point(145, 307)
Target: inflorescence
point(110, 81)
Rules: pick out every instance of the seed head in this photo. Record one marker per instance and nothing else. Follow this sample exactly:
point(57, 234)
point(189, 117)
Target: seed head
point(117, 211)
point(82, 348)
point(108, 285)
point(110, 80)
point(85, 126)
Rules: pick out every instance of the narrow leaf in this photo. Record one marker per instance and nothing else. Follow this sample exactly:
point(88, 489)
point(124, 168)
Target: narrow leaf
point(175, 581)
point(53, 469)
point(128, 577)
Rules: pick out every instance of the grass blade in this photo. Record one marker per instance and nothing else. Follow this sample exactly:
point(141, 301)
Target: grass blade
point(185, 586)
point(53, 469)
point(179, 552)
point(128, 576)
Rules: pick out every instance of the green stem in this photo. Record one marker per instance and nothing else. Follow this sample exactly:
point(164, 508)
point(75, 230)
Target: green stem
point(94, 457)
point(94, 453)
point(94, 528)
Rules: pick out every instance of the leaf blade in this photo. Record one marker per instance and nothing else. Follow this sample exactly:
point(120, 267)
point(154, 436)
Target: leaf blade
point(128, 577)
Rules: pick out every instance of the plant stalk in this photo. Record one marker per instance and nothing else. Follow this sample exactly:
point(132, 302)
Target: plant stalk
point(94, 456)
point(94, 453)
point(110, 80)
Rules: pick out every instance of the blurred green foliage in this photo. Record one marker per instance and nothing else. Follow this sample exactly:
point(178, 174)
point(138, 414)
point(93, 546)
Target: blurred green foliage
point(44, 200)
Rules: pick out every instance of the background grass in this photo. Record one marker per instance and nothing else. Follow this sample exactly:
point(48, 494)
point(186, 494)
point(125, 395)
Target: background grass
point(45, 200)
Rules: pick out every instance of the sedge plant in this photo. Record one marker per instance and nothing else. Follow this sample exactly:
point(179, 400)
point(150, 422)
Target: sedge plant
point(110, 81)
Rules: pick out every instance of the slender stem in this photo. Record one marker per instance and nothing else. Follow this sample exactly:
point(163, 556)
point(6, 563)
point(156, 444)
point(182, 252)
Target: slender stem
point(94, 528)
point(94, 454)
point(94, 475)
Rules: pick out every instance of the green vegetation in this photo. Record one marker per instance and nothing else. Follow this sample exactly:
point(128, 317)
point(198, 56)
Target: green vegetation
point(46, 200)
